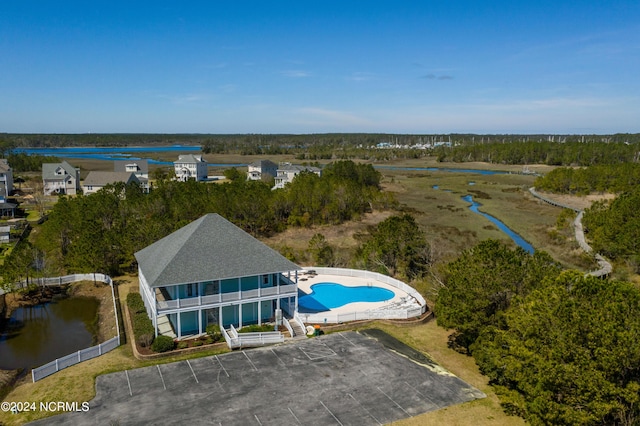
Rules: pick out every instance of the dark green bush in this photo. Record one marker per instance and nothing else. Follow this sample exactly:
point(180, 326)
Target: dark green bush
point(255, 328)
point(135, 303)
point(162, 344)
point(143, 330)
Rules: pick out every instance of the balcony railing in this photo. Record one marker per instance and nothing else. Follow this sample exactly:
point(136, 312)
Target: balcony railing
point(213, 299)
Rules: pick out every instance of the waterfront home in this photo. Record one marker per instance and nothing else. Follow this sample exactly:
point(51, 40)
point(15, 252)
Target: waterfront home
point(262, 169)
point(190, 167)
point(287, 171)
point(212, 272)
point(95, 181)
point(6, 178)
point(60, 178)
point(140, 168)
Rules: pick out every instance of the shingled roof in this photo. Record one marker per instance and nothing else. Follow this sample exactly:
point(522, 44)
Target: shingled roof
point(209, 248)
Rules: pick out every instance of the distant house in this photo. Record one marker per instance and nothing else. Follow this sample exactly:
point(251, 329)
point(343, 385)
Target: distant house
point(287, 171)
point(60, 178)
point(190, 167)
point(5, 233)
point(262, 169)
point(7, 209)
point(6, 178)
point(95, 181)
point(212, 272)
point(138, 167)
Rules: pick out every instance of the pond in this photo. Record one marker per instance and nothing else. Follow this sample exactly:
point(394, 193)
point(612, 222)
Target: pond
point(36, 335)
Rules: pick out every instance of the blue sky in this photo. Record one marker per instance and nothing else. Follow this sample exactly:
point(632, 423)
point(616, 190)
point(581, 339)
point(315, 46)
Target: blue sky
point(320, 66)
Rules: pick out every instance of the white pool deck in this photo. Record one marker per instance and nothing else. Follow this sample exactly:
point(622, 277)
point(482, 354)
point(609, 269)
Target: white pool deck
point(401, 299)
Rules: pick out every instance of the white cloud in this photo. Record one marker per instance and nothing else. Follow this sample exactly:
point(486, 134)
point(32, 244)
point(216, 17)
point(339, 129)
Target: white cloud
point(296, 73)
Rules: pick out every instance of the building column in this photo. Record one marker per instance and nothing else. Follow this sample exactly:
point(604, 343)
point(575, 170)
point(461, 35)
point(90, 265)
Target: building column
point(240, 315)
point(179, 326)
point(259, 312)
point(199, 321)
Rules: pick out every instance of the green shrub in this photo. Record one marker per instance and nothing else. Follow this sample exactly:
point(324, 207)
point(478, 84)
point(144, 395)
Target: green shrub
point(162, 344)
point(135, 303)
point(213, 330)
point(255, 328)
point(143, 329)
point(183, 345)
point(198, 343)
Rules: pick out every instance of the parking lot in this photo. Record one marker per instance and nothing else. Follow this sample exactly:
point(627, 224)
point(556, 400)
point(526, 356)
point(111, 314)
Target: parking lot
point(338, 379)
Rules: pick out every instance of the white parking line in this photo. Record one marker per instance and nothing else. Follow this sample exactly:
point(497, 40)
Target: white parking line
point(257, 419)
point(342, 335)
point(221, 366)
point(192, 372)
point(294, 416)
point(336, 419)
point(250, 362)
point(421, 394)
point(161, 378)
point(365, 409)
point(281, 361)
point(391, 399)
point(128, 382)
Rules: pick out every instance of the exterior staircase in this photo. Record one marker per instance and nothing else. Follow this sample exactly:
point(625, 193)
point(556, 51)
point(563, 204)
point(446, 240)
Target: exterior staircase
point(298, 331)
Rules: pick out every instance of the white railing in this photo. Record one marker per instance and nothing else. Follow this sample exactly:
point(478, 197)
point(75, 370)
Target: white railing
point(286, 324)
point(296, 318)
point(83, 354)
point(398, 311)
point(330, 318)
point(240, 340)
point(164, 305)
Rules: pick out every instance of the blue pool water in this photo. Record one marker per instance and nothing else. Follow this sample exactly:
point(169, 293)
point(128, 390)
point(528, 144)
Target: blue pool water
point(504, 228)
point(325, 296)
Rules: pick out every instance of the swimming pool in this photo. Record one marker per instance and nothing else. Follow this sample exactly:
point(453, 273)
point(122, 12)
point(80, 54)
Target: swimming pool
point(326, 296)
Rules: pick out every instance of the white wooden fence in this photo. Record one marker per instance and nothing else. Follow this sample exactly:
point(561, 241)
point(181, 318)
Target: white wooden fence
point(83, 354)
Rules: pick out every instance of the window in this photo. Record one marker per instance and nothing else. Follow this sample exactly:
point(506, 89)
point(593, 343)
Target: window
point(265, 279)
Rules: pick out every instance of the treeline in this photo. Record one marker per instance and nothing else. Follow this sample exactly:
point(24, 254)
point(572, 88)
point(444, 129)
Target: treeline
point(559, 347)
point(599, 178)
point(21, 162)
point(101, 232)
point(396, 247)
point(543, 152)
point(503, 149)
point(613, 227)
